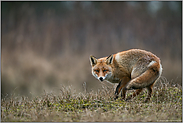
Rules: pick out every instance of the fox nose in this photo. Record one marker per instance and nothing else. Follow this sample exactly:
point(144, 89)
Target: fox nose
point(101, 79)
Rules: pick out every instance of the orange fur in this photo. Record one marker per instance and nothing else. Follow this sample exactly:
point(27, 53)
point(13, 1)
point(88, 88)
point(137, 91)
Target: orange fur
point(132, 69)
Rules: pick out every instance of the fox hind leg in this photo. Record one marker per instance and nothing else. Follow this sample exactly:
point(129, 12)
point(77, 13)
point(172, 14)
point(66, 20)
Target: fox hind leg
point(146, 79)
point(150, 90)
point(144, 73)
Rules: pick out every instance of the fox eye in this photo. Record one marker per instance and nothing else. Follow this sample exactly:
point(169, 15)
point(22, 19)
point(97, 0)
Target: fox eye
point(104, 70)
point(97, 71)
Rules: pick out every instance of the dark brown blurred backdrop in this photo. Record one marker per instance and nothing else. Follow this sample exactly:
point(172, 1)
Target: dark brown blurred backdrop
point(46, 45)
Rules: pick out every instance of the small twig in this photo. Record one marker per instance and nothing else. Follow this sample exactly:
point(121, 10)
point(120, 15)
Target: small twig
point(84, 86)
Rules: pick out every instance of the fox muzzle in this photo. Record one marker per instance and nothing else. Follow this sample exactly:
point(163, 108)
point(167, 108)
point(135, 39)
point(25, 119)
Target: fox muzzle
point(101, 78)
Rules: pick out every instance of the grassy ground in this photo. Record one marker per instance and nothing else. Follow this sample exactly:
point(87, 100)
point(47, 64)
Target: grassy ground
point(165, 105)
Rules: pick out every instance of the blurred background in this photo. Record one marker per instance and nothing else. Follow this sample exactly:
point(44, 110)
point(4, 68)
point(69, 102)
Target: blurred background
point(46, 45)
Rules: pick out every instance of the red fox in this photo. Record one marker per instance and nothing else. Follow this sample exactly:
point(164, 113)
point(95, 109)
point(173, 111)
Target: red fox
point(132, 69)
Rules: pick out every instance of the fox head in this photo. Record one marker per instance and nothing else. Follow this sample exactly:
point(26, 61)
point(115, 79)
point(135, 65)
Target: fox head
point(101, 68)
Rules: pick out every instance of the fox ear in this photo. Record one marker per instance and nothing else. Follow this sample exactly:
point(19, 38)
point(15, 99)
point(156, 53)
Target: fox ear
point(109, 59)
point(93, 60)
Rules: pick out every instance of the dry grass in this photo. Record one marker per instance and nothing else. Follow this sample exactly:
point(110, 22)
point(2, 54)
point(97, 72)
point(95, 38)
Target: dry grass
point(49, 50)
point(165, 105)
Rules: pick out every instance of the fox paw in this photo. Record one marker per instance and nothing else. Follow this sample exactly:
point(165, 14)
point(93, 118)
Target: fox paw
point(128, 98)
point(116, 97)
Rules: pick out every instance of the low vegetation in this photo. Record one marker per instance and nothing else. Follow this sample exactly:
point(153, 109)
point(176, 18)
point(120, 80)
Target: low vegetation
point(165, 105)
point(45, 44)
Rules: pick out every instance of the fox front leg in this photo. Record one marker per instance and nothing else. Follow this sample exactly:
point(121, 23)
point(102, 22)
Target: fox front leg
point(120, 86)
point(118, 89)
